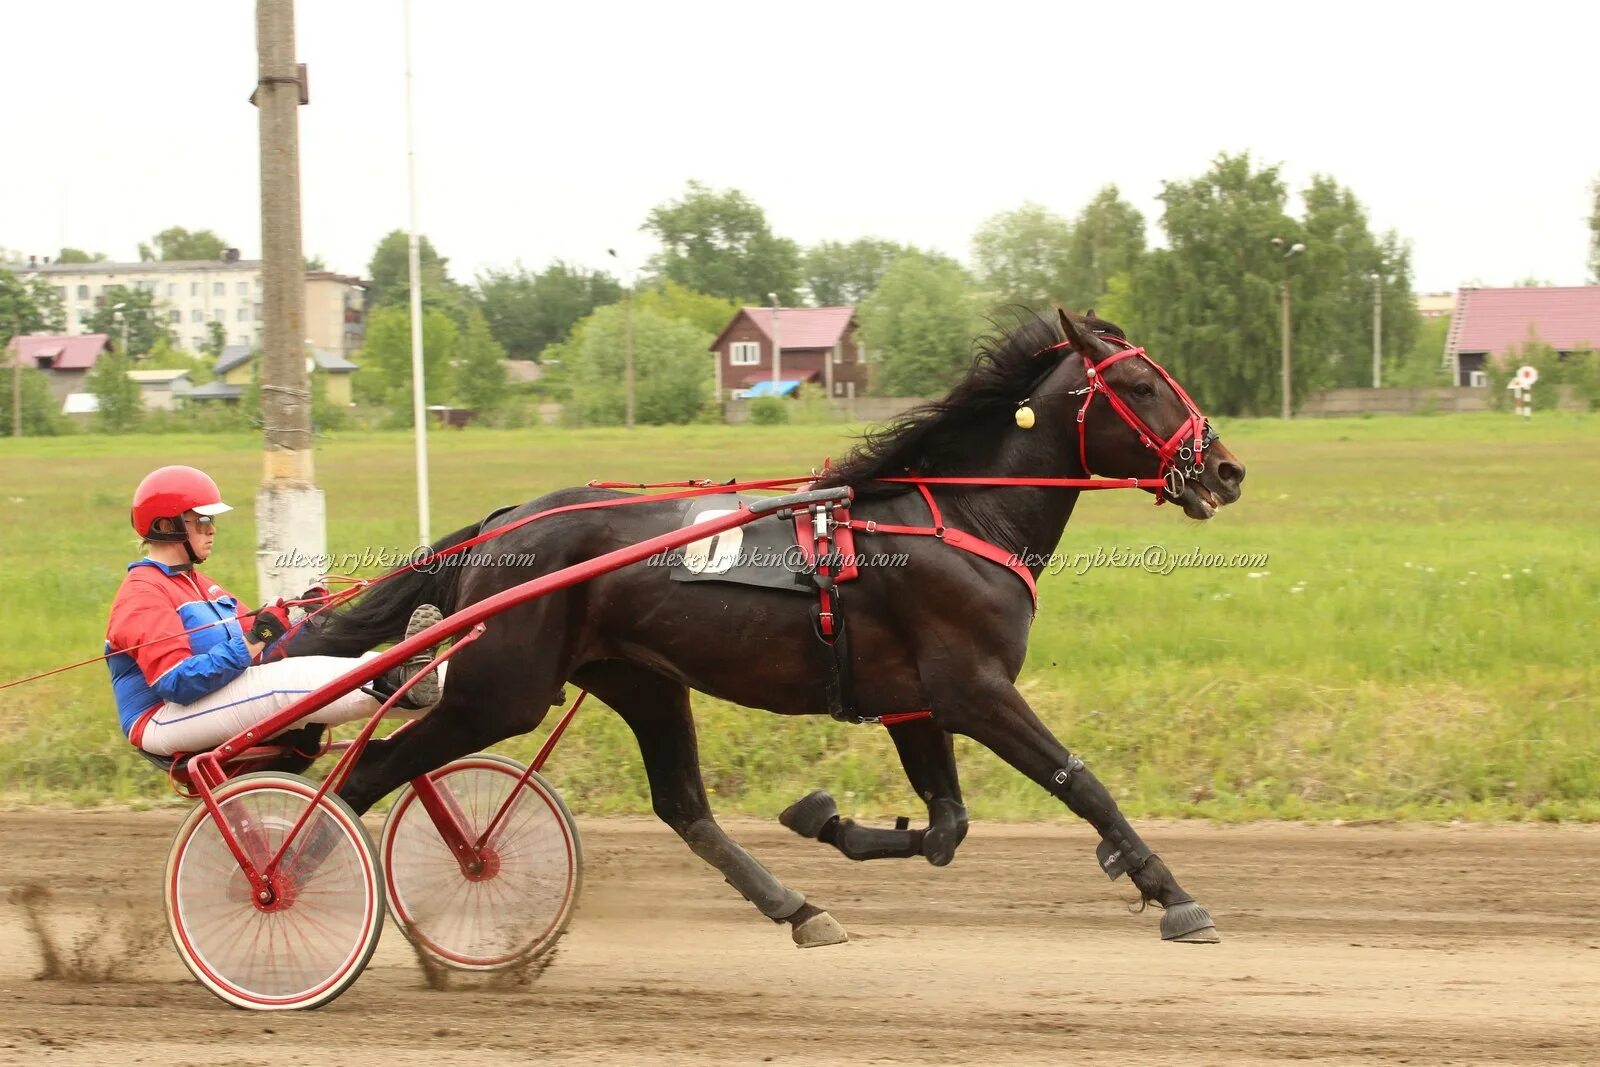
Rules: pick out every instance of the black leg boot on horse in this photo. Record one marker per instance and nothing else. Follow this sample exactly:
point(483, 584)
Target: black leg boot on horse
point(928, 756)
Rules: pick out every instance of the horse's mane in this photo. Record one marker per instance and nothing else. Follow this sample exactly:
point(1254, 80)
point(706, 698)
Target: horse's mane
point(932, 438)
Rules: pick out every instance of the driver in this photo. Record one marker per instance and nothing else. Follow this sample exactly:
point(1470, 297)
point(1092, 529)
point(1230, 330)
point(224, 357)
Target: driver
point(185, 657)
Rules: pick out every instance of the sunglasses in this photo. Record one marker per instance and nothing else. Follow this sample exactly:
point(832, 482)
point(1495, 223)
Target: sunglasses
point(202, 523)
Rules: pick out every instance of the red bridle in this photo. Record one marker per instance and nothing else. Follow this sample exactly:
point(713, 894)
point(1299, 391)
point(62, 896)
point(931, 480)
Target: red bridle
point(1182, 454)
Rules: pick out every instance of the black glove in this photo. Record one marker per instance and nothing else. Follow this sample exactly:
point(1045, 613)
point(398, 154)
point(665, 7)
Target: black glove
point(269, 623)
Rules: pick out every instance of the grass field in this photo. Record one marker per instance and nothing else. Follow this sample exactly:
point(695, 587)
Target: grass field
point(1421, 641)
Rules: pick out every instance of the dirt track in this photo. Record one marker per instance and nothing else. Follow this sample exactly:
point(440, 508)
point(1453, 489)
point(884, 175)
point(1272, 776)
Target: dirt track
point(1342, 945)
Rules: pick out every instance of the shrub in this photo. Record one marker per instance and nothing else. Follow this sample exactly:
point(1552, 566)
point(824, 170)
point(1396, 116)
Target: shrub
point(769, 411)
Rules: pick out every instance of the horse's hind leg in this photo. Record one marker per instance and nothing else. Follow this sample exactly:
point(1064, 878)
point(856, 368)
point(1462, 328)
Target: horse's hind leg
point(657, 710)
point(928, 755)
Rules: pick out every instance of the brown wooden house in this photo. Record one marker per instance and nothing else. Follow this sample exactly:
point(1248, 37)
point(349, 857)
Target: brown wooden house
point(818, 345)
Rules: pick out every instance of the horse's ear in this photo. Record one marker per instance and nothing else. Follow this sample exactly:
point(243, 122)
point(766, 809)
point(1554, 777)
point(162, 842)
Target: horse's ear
point(1077, 334)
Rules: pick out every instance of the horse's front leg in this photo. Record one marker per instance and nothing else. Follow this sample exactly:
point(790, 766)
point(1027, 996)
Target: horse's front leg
point(927, 753)
point(996, 716)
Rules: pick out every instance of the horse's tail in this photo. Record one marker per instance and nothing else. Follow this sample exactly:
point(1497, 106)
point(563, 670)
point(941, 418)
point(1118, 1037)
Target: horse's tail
point(380, 614)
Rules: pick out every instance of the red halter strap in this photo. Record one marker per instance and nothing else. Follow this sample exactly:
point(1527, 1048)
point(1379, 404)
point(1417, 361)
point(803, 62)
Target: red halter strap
point(1182, 454)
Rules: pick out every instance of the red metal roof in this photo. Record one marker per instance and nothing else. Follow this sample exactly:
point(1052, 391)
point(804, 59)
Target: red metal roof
point(61, 352)
point(1494, 320)
point(798, 327)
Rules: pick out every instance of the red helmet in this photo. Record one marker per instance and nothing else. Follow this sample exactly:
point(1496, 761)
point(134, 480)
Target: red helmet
point(168, 493)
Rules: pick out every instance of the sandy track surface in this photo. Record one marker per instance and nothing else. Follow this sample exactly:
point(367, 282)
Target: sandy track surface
point(1360, 945)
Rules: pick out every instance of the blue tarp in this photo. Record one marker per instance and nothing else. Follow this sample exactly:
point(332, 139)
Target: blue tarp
point(767, 388)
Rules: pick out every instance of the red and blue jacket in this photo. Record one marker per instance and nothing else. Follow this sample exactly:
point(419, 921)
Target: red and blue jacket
point(153, 660)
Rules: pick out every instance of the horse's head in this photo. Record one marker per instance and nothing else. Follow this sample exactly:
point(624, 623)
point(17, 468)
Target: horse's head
point(1136, 421)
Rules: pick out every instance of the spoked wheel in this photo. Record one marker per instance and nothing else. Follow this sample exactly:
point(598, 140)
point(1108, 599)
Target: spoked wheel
point(516, 903)
point(309, 942)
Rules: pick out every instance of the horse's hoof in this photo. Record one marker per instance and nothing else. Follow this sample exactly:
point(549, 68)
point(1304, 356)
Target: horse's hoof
point(1189, 924)
point(819, 930)
point(808, 815)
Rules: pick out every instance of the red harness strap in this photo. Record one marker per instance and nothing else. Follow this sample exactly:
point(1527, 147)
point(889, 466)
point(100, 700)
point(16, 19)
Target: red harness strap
point(955, 538)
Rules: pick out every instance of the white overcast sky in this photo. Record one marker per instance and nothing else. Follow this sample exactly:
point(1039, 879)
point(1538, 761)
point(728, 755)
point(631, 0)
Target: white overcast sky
point(550, 129)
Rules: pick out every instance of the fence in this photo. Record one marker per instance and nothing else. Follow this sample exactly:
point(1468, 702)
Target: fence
point(844, 409)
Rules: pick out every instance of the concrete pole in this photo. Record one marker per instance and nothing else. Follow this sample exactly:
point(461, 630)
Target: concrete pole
point(777, 346)
point(627, 367)
point(1287, 397)
point(291, 526)
point(16, 385)
point(1377, 331)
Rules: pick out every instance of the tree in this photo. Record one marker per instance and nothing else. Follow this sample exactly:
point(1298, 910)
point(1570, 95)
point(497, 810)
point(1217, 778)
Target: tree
point(386, 355)
point(527, 312)
point(163, 355)
point(175, 243)
point(120, 405)
point(1108, 238)
point(78, 255)
point(390, 277)
point(839, 275)
point(1022, 257)
point(28, 307)
point(672, 368)
point(315, 263)
point(920, 324)
point(40, 409)
point(719, 243)
point(670, 300)
point(216, 339)
point(146, 324)
point(1208, 306)
point(480, 368)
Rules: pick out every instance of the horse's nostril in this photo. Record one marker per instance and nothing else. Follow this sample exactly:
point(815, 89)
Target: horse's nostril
point(1230, 473)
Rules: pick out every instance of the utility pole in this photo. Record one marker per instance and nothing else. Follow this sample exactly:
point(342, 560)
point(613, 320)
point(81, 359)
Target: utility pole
point(291, 526)
point(419, 415)
point(777, 345)
point(627, 344)
point(16, 384)
point(1377, 330)
point(1290, 253)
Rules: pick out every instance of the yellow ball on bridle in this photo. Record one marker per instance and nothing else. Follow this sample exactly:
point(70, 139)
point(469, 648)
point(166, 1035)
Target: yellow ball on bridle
point(1025, 417)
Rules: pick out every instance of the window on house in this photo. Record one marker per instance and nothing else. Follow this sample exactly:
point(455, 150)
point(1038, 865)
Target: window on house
point(744, 353)
point(197, 343)
point(194, 288)
point(174, 315)
point(61, 292)
point(83, 292)
point(219, 288)
point(242, 315)
point(172, 290)
point(838, 353)
point(83, 316)
point(258, 312)
point(243, 288)
point(217, 314)
point(196, 315)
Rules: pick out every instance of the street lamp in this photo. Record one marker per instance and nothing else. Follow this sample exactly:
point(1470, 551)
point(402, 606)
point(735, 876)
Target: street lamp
point(118, 313)
point(627, 327)
point(1289, 252)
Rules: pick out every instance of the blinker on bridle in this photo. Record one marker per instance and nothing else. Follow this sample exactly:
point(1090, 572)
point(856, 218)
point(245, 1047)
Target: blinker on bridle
point(1182, 454)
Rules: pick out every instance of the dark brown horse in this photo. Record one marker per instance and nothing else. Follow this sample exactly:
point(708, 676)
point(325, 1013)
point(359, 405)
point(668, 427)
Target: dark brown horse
point(947, 632)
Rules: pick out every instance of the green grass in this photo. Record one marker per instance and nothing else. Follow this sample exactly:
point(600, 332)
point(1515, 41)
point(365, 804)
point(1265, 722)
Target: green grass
point(1420, 643)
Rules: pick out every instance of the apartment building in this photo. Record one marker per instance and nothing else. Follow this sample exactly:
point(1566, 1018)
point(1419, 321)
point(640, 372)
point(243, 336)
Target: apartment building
point(192, 294)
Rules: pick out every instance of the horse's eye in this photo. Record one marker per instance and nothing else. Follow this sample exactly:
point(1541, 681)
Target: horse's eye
point(1144, 389)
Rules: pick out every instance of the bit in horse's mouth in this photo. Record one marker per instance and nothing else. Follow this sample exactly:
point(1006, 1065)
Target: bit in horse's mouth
point(1198, 501)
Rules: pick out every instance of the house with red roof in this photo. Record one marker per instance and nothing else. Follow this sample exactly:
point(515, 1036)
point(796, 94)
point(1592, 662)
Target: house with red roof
point(67, 359)
point(1489, 323)
point(811, 344)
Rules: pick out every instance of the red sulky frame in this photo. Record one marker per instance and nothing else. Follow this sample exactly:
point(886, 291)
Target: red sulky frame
point(206, 772)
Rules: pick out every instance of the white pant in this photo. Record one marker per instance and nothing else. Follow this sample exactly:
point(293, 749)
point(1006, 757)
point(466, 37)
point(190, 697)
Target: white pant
point(255, 696)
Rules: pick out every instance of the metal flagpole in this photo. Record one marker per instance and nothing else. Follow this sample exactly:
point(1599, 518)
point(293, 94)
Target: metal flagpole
point(418, 386)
